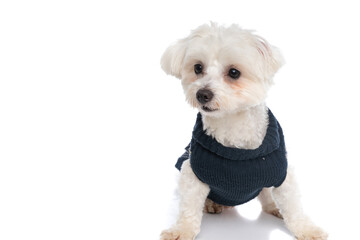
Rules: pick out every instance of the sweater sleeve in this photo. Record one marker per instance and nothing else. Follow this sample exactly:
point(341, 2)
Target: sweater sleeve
point(183, 157)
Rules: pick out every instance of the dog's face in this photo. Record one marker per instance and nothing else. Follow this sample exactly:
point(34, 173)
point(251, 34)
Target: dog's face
point(223, 70)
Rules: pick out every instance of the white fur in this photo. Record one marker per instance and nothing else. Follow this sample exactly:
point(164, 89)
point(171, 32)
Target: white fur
point(229, 132)
point(239, 117)
point(193, 194)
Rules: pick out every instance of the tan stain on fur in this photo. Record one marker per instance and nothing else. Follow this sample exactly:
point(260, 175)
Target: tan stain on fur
point(237, 85)
point(193, 79)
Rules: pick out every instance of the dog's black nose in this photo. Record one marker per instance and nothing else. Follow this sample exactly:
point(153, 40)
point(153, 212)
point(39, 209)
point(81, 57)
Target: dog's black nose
point(204, 95)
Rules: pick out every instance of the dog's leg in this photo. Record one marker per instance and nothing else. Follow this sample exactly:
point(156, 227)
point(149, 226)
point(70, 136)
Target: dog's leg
point(268, 204)
point(193, 194)
point(287, 198)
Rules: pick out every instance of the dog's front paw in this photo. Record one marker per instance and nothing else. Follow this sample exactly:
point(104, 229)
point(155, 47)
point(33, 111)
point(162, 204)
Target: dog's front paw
point(177, 234)
point(309, 231)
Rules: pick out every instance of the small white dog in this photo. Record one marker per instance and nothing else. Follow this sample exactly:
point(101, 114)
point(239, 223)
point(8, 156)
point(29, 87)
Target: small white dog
point(237, 151)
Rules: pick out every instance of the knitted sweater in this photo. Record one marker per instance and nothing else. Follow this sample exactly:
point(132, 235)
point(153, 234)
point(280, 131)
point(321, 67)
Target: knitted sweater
point(236, 176)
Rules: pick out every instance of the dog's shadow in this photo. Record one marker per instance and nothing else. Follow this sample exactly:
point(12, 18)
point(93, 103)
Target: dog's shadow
point(234, 226)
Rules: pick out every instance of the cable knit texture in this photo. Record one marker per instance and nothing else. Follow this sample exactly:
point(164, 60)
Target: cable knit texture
point(236, 176)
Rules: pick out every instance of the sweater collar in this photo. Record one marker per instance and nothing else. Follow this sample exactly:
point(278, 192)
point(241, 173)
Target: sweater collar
point(270, 143)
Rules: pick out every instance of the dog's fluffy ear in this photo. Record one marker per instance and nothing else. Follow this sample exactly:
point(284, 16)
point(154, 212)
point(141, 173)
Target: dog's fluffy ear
point(272, 56)
point(173, 57)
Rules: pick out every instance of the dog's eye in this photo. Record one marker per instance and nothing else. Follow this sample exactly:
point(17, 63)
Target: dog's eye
point(234, 73)
point(198, 68)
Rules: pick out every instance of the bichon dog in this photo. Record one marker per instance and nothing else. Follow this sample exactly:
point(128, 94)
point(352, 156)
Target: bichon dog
point(237, 151)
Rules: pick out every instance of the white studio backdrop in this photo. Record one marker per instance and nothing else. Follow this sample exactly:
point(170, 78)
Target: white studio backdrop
point(90, 126)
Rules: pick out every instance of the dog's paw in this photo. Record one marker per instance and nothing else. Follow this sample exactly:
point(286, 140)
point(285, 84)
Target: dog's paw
point(176, 234)
point(212, 207)
point(310, 232)
point(273, 210)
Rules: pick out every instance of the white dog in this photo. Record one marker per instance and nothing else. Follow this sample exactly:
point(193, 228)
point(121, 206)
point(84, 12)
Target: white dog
point(237, 151)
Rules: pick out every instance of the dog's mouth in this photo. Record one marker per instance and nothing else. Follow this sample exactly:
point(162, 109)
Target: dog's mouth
point(207, 109)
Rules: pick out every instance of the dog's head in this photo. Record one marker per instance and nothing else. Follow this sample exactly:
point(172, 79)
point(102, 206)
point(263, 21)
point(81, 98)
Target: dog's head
point(222, 69)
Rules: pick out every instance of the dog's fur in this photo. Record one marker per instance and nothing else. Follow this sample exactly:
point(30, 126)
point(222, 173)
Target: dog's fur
point(236, 116)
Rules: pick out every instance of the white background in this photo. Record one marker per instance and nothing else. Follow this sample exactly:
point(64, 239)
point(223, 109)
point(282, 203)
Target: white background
point(90, 126)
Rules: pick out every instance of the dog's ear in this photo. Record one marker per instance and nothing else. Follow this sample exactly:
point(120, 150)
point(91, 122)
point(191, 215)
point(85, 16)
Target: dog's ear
point(272, 56)
point(173, 57)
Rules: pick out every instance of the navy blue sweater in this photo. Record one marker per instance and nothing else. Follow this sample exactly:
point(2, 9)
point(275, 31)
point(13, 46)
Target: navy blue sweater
point(236, 176)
